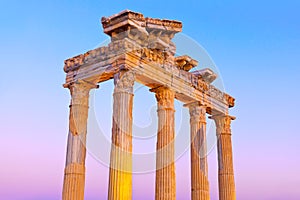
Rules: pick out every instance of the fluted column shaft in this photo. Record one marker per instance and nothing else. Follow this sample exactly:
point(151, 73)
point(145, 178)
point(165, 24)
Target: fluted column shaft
point(165, 188)
point(74, 176)
point(225, 158)
point(120, 174)
point(199, 174)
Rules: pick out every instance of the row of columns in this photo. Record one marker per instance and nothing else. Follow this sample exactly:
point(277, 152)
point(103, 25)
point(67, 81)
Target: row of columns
point(120, 173)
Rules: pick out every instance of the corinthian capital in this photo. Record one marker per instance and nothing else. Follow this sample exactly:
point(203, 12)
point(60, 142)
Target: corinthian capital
point(223, 123)
point(165, 97)
point(124, 81)
point(197, 112)
point(80, 91)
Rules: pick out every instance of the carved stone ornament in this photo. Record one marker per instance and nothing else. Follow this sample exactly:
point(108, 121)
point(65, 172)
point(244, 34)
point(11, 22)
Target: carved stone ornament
point(185, 62)
point(165, 97)
point(223, 123)
point(230, 100)
point(124, 81)
point(80, 91)
point(206, 74)
point(197, 112)
point(216, 93)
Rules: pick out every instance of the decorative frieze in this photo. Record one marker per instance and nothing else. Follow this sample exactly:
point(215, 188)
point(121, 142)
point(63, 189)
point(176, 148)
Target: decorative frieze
point(216, 93)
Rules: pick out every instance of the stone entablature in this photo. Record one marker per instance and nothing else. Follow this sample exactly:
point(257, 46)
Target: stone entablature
point(154, 51)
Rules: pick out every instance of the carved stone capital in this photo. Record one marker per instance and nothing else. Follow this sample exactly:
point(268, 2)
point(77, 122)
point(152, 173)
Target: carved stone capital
point(80, 92)
point(124, 81)
point(79, 105)
point(165, 98)
point(223, 123)
point(197, 112)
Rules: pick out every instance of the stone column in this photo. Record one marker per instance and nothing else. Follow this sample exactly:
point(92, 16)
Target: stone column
point(74, 178)
point(199, 174)
point(165, 188)
point(120, 174)
point(225, 161)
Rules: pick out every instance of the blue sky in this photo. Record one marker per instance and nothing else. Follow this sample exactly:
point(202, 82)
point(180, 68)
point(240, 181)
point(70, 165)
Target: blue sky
point(255, 45)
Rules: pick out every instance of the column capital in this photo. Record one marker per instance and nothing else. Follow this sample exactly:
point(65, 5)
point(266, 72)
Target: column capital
point(165, 97)
point(124, 81)
point(80, 91)
point(223, 123)
point(197, 112)
point(81, 86)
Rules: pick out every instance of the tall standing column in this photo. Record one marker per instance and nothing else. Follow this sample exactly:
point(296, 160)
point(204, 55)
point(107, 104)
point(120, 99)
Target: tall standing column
point(199, 174)
point(225, 160)
point(165, 188)
point(120, 174)
point(74, 178)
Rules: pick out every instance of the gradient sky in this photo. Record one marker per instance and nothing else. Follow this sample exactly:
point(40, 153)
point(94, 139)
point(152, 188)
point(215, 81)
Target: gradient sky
point(255, 45)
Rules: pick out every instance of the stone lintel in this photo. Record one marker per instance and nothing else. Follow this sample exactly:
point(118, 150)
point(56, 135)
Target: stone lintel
point(188, 87)
point(185, 82)
point(112, 50)
point(99, 63)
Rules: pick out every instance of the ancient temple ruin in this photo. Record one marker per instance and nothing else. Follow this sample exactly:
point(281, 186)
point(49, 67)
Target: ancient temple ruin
point(141, 50)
